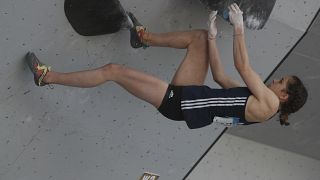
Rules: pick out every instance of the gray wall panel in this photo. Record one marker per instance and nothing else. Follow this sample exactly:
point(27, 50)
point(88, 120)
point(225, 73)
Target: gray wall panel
point(295, 13)
point(315, 26)
point(308, 46)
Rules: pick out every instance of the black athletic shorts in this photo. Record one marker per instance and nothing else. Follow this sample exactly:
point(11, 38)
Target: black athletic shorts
point(171, 103)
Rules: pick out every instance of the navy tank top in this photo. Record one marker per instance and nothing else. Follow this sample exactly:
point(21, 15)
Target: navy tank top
point(201, 105)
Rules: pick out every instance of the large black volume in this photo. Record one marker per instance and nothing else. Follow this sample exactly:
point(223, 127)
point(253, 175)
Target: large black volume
point(95, 17)
point(255, 12)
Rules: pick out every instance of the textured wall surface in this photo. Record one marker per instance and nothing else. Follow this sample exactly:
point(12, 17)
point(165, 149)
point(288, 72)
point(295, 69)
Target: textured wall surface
point(238, 158)
point(103, 132)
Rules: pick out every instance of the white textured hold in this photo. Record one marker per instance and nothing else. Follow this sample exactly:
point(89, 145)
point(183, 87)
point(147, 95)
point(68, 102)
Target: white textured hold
point(253, 22)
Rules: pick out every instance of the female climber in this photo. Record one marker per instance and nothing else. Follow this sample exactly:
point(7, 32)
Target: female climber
point(186, 98)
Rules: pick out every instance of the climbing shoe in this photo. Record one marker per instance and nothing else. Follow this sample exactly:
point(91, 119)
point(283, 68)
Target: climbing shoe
point(38, 69)
point(136, 33)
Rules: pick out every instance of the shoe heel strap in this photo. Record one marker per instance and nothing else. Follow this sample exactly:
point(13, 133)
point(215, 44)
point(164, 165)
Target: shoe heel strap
point(141, 31)
point(45, 69)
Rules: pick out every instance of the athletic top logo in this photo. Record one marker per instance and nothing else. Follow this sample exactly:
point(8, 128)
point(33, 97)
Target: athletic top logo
point(171, 94)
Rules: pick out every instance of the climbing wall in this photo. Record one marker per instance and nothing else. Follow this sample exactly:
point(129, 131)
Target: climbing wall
point(104, 132)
